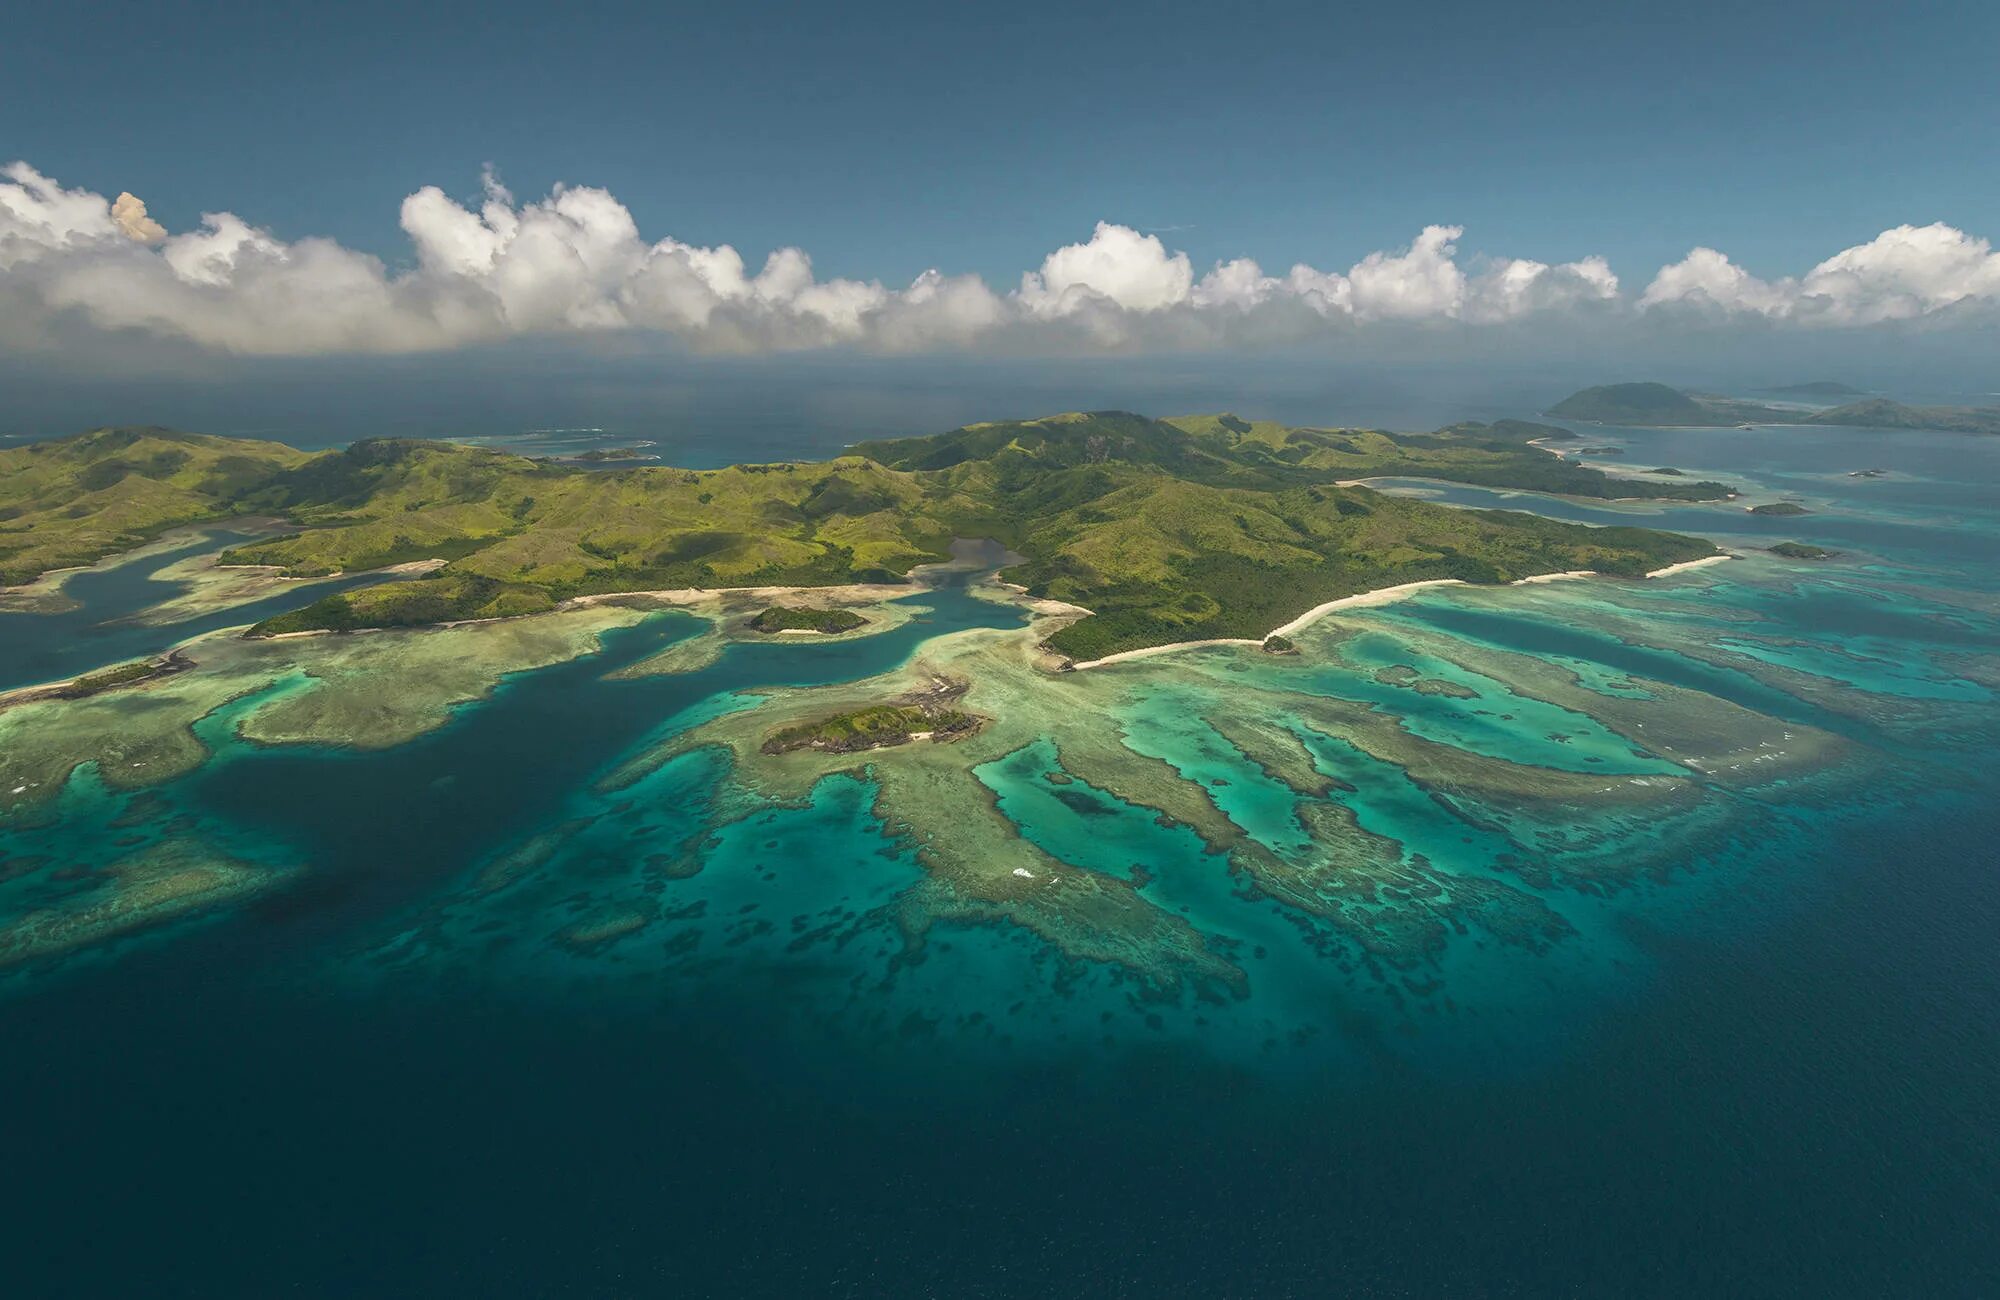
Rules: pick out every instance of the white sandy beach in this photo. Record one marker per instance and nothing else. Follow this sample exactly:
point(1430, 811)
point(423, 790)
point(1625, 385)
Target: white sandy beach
point(1366, 599)
point(1360, 600)
point(1702, 563)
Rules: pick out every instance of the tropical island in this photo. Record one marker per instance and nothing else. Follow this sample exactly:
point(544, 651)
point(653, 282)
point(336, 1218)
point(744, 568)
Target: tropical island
point(794, 618)
point(1165, 531)
point(1802, 551)
point(1653, 405)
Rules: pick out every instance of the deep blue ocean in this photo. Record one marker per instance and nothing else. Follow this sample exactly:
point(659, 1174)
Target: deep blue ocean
point(1779, 1074)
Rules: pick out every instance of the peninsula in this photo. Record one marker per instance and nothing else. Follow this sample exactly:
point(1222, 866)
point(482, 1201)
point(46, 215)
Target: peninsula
point(1653, 405)
point(1165, 530)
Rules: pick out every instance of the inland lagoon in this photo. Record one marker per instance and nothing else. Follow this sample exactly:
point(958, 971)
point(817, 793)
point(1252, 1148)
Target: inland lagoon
point(1573, 925)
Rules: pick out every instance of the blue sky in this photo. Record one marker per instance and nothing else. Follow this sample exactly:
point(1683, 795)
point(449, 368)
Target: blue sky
point(877, 217)
point(887, 138)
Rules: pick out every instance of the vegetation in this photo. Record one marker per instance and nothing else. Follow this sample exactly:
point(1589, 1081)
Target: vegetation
point(1170, 530)
point(446, 599)
point(1279, 645)
point(76, 500)
point(1879, 413)
point(608, 453)
point(1818, 388)
point(1802, 551)
point(1656, 405)
point(1780, 508)
point(786, 618)
point(1225, 451)
point(873, 728)
point(110, 678)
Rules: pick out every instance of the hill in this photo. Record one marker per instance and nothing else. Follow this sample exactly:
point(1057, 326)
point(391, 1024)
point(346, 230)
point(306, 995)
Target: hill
point(1880, 413)
point(76, 500)
point(1170, 530)
point(1657, 405)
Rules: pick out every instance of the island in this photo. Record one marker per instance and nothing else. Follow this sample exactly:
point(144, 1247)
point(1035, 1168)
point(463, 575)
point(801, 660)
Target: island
point(791, 618)
point(1802, 551)
point(1655, 405)
point(1819, 389)
point(928, 713)
point(1156, 531)
point(1780, 508)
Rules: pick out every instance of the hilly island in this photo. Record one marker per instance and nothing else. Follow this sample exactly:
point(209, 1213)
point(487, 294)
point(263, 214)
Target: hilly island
point(1660, 406)
point(1165, 530)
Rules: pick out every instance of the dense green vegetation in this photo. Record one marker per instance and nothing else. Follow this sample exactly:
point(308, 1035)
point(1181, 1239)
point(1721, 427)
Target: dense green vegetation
point(1657, 405)
point(110, 678)
point(447, 598)
point(872, 728)
point(76, 500)
point(1880, 413)
point(1802, 551)
point(1225, 451)
point(787, 618)
point(1780, 508)
point(1170, 530)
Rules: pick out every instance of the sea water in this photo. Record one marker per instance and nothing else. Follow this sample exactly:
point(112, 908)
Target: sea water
point(685, 1044)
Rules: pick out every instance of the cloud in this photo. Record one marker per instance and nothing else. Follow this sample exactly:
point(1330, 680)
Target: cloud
point(129, 211)
point(574, 263)
point(1902, 274)
point(1118, 266)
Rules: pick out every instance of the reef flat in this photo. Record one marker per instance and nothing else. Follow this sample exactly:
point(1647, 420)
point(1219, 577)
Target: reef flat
point(1442, 802)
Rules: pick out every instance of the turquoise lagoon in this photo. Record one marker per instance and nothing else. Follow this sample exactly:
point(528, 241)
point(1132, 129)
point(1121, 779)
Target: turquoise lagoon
point(1579, 937)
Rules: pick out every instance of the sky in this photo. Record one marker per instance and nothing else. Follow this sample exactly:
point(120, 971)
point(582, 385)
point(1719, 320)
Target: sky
point(219, 194)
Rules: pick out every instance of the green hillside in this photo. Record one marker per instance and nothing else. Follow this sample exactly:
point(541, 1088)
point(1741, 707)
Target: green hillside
point(1657, 405)
point(76, 500)
point(1170, 530)
point(1880, 413)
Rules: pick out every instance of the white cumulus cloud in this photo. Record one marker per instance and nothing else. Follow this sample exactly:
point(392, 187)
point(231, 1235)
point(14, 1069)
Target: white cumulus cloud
point(1902, 274)
point(575, 263)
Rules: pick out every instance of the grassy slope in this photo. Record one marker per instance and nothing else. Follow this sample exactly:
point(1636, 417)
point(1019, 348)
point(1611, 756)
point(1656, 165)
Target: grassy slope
point(77, 500)
point(1657, 405)
point(1209, 526)
point(1244, 529)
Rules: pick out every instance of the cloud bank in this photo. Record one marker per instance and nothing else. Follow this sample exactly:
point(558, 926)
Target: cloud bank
point(575, 263)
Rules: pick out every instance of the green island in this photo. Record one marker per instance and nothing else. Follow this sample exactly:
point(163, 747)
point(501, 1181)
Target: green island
point(1802, 551)
point(793, 618)
point(1780, 508)
point(1164, 530)
point(1655, 405)
point(606, 454)
point(110, 679)
point(876, 727)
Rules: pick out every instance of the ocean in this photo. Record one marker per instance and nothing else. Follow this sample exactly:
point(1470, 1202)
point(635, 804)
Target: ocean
point(547, 1001)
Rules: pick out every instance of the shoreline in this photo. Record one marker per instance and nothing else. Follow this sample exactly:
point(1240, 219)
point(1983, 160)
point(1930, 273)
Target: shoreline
point(1685, 565)
point(1369, 599)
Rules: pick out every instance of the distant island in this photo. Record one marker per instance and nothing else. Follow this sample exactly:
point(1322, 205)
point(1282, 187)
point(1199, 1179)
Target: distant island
point(1818, 388)
point(789, 618)
point(1166, 530)
point(1652, 405)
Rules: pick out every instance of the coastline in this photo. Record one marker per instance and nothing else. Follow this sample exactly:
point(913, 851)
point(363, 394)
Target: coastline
point(1366, 599)
point(1685, 565)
